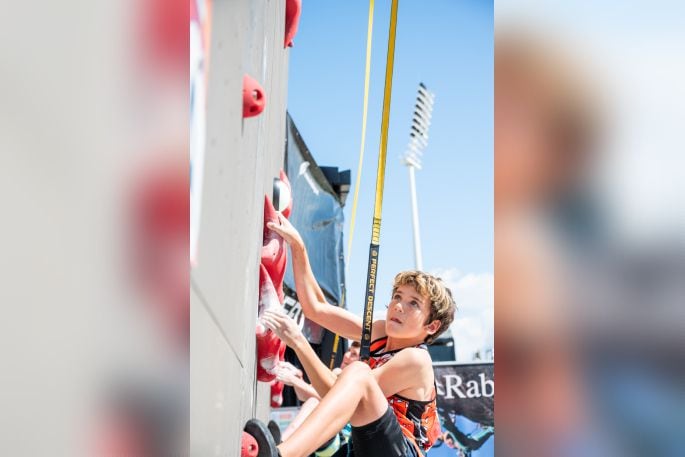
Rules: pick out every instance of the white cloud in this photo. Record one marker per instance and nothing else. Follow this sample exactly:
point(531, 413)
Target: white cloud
point(473, 324)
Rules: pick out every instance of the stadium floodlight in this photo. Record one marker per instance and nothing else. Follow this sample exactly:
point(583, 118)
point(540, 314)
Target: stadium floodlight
point(418, 141)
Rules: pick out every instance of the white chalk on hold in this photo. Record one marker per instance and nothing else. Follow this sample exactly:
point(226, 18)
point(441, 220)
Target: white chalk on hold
point(261, 328)
point(269, 363)
point(268, 298)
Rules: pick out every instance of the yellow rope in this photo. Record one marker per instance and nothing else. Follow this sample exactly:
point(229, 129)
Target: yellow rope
point(367, 77)
point(380, 181)
point(336, 339)
point(367, 74)
point(385, 124)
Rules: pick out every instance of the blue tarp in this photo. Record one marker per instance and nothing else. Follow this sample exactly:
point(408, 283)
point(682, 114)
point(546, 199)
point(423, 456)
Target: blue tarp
point(318, 215)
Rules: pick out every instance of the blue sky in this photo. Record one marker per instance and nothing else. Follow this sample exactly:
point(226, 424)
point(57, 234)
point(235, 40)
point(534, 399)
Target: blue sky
point(449, 46)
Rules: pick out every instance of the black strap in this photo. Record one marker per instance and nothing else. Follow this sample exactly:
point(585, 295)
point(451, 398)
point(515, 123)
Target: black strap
point(364, 351)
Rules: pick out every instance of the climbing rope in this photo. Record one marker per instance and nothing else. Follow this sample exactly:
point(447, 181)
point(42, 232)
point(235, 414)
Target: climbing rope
point(380, 181)
point(367, 74)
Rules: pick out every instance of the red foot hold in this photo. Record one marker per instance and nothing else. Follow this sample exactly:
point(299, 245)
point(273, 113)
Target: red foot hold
point(263, 436)
point(293, 9)
point(254, 99)
point(248, 446)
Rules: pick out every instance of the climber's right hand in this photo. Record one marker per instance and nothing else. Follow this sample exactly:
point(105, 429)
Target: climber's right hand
point(285, 229)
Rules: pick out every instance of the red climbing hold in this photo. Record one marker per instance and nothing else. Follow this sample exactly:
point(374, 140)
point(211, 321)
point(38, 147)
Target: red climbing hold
point(248, 446)
point(270, 215)
point(274, 251)
point(268, 298)
point(270, 351)
point(254, 99)
point(293, 9)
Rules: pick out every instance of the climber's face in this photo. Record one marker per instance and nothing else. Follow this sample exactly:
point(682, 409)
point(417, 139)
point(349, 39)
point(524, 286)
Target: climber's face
point(407, 314)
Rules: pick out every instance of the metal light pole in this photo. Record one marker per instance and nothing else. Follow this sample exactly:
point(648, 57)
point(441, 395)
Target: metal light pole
point(418, 140)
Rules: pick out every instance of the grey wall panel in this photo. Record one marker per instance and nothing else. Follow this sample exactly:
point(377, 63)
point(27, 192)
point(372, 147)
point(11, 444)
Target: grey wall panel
point(242, 158)
point(216, 402)
point(263, 401)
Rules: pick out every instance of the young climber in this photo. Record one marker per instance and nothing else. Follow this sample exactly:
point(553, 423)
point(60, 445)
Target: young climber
point(391, 401)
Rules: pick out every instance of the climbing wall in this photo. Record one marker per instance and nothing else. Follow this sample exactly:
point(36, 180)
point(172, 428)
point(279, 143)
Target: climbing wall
point(242, 156)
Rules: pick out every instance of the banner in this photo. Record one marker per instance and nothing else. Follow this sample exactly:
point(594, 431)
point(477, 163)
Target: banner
point(318, 199)
point(466, 404)
point(284, 416)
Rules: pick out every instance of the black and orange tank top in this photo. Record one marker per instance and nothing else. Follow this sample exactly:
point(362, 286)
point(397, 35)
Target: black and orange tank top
point(418, 419)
